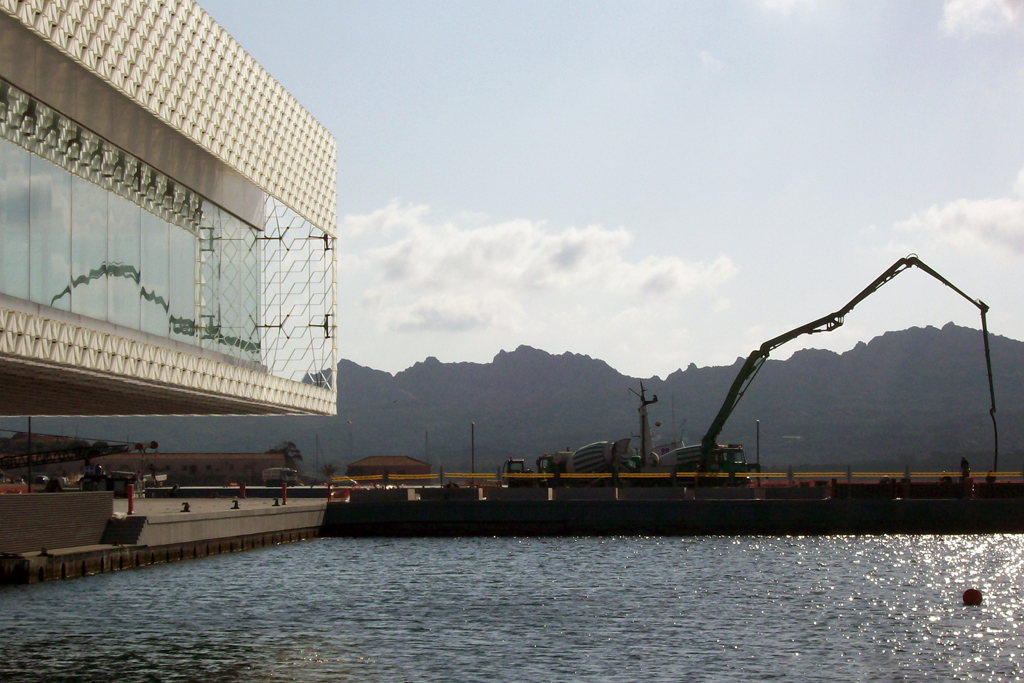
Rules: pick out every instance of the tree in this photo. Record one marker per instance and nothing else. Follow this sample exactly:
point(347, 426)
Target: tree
point(290, 452)
point(329, 469)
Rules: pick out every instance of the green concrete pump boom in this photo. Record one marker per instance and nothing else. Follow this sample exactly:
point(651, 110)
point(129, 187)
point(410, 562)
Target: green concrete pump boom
point(826, 324)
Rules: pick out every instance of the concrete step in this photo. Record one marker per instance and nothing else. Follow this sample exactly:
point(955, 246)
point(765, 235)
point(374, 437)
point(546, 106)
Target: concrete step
point(124, 531)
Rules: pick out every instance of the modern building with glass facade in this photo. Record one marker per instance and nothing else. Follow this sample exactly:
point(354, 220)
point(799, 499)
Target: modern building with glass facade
point(167, 219)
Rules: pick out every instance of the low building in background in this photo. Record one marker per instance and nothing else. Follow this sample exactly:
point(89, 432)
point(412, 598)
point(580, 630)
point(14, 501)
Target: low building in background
point(197, 469)
point(376, 465)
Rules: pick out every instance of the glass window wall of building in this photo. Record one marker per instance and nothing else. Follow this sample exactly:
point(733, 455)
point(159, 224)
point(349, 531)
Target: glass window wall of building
point(87, 228)
point(14, 220)
point(90, 229)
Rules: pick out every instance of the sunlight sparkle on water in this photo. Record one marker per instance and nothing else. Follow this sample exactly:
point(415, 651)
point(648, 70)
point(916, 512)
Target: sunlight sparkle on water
point(838, 608)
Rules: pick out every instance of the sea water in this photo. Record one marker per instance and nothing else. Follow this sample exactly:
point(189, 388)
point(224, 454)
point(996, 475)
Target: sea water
point(833, 608)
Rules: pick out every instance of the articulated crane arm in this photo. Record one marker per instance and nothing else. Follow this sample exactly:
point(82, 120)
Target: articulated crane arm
point(826, 324)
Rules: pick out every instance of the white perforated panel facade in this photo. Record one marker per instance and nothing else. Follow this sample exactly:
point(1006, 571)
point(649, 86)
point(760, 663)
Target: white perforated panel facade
point(60, 368)
point(171, 58)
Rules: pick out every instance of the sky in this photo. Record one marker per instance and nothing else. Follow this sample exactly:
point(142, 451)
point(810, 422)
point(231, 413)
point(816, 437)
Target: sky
point(657, 183)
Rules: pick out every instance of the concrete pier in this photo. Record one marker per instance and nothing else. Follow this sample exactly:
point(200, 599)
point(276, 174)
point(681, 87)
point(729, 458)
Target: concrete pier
point(540, 517)
point(64, 535)
point(158, 532)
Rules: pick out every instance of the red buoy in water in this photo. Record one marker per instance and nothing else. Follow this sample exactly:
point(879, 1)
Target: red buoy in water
point(972, 596)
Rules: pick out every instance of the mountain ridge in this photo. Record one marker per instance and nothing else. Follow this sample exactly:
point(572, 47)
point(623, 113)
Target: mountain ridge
point(910, 396)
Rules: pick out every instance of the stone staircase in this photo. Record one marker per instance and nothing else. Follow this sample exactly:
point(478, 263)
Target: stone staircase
point(124, 531)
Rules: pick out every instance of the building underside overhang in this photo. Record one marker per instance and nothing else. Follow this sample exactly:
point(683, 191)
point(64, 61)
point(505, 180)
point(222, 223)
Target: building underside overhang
point(53, 367)
point(36, 388)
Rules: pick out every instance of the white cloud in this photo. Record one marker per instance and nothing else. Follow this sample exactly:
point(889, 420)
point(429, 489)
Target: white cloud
point(972, 17)
point(710, 62)
point(972, 223)
point(447, 276)
point(382, 221)
point(453, 313)
point(786, 7)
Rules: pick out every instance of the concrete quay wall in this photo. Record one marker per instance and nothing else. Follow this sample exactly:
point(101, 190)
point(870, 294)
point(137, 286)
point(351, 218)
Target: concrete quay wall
point(143, 540)
point(84, 561)
point(192, 492)
point(673, 517)
point(178, 528)
point(34, 521)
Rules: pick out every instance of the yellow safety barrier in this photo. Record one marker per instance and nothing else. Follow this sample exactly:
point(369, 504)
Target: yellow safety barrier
point(410, 477)
point(469, 475)
point(645, 475)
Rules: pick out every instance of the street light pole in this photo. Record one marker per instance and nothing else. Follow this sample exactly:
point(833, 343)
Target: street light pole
point(759, 443)
point(472, 447)
point(758, 453)
point(28, 455)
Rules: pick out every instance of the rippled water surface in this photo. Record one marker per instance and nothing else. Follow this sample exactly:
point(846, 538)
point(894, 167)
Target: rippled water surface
point(606, 609)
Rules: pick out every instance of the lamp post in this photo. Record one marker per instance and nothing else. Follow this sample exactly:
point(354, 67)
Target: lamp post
point(351, 449)
point(472, 449)
point(28, 456)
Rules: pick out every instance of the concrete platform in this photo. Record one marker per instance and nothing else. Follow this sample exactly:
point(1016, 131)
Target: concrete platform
point(160, 532)
point(515, 493)
point(168, 506)
point(656, 493)
point(675, 517)
point(166, 523)
point(727, 493)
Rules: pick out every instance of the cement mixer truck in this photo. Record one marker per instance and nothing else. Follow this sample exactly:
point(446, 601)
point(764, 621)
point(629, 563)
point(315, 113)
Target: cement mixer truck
point(598, 457)
point(688, 460)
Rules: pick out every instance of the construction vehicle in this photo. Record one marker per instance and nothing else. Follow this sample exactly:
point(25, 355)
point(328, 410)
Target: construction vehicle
point(710, 457)
point(515, 466)
point(98, 478)
point(276, 476)
point(692, 460)
point(600, 457)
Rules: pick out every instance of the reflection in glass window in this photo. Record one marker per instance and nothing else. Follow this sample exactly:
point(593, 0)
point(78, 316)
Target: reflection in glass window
point(209, 278)
point(228, 264)
point(88, 227)
point(88, 289)
point(50, 243)
point(182, 285)
point(250, 292)
point(231, 247)
point(14, 204)
point(155, 276)
point(124, 263)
